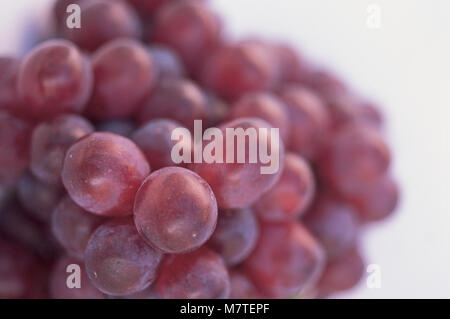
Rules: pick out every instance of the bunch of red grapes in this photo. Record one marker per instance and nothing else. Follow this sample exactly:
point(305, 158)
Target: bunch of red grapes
point(87, 178)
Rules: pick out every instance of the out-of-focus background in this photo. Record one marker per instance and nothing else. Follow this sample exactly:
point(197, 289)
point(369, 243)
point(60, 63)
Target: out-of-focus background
point(403, 63)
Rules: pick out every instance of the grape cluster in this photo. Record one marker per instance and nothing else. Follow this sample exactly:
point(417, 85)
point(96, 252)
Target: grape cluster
point(87, 177)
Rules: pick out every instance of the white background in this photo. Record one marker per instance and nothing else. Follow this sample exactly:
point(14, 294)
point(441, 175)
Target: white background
point(405, 66)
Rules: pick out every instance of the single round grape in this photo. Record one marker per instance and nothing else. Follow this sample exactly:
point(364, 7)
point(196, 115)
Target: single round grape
point(124, 74)
point(14, 145)
point(175, 210)
point(102, 173)
point(355, 158)
point(72, 226)
point(291, 195)
point(239, 184)
point(233, 71)
point(370, 113)
point(266, 107)
point(54, 78)
point(120, 127)
point(49, 143)
point(292, 67)
point(168, 62)
point(242, 287)
point(333, 223)
point(19, 272)
point(235, 235)
point(9, 70)
point(118, 261)
point(308, 120)
point(64, 272)
point(38, 198)
point(177, 99)
point(342, 108)
point(154, 139)
point(200, 274)
point(286, 260)
point(342, 273)
point(190, 28)
point(377, 200)
point(101, 22)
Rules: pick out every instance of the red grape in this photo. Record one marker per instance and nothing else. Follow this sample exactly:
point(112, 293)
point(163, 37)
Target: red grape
point(177, 99)
point(118, 261)
point(72, 226)
point(103, 21)
point(61, 276)
point(235, 235)
point(239, 184)
point(168, 62)
point(14, 145)
point(125, 74)
point(175, 210)
point(342, 273)
point(370, 114)
point(235, 70)
point(102, 173)
point(286, 260)
point(266, 107)
point(54, 78)
point(242, 287)
point(19, 273)
point(293, 68)
point(308, 120)
point(190, 28)
point(9, 69)
point(377, 200)
point(38, 198)
point(154, 139)
point(147, 7)
point(333, 223)
point(200, 274)
point(355, 158)
point(292, 194)
point(217, 110)
point(49, 143)
point(19, 227)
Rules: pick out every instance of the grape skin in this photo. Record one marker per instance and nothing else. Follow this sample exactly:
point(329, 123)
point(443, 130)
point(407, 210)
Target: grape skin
point(286, 260)
point(72, 226)
point(239, 185)
point(14, 143)
point(291, 195)
point(102, 173)
point(49, 143)
point(102, 22)
point(235, 235)
point(38, 198)
point(125, 74)
point(155, 141)
point(180, 100)
point(118, 261)
point(54, 78)
point(175, 210)
point(200, 274)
